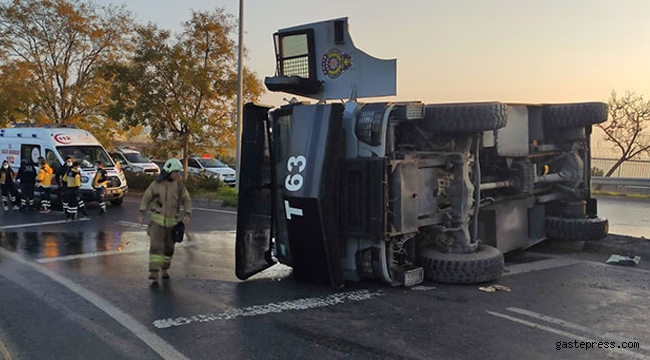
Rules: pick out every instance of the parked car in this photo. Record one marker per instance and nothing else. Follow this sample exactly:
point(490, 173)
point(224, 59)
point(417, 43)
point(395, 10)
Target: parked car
point(135, 161)
point(211, 167)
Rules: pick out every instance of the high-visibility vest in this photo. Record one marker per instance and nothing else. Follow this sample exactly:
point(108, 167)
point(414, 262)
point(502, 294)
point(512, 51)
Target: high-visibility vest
point(72, 178)
point(45, 176)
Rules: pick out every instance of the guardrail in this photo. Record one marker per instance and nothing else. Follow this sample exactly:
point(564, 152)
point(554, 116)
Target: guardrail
point(620, 181)
point(621, 185)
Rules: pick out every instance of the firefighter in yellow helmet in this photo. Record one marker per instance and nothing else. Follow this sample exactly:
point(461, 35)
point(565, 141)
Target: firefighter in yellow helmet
point(164, 198)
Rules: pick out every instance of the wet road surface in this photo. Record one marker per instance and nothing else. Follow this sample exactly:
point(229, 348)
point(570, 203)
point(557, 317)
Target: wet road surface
point(79, 291)
point(627, 216)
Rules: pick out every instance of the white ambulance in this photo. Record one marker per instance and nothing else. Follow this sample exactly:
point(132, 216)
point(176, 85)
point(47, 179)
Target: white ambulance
point(55, 144)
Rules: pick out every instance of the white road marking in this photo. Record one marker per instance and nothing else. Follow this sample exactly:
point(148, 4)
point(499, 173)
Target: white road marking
point(571, 325)
point(540, 265)
point(88, 255)
point(54, 222)
point(216, 210)
point(4, 352)
point(256, 310)
point(132, 224)
point(157, 344)
point(567, 335)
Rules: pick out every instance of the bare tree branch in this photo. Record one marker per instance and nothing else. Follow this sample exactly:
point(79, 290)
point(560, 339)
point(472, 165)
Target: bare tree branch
point(629, 116)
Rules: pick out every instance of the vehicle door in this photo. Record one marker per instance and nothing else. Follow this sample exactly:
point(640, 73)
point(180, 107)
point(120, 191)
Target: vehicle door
point(253, 248)
point(194, 167)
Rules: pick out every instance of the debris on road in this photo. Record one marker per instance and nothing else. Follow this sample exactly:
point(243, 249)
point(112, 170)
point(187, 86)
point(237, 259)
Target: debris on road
point(422, 288)
point(625, 260)
point(494, 288)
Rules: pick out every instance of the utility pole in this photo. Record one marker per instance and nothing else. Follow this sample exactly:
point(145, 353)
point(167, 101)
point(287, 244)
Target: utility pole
point(240, 88)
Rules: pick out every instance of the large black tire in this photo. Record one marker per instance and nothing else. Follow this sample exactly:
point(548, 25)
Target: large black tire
point(484, 265)
point(576, 229)
point(464, 118)
point(574, 115)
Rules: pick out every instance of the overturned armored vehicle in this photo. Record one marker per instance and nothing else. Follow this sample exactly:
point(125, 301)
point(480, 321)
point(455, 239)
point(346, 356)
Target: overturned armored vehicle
point(401, 191)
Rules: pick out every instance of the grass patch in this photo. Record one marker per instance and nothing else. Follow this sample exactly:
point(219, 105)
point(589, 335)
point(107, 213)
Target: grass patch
point(614, 193)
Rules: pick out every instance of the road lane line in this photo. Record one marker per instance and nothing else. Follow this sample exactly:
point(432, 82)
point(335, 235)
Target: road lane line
point(567, 335)
point(571, 325)
point(4, 352)
point(54, 222)
point(132, 224)
point(256, 310)
point(540, 265)
point(87, 255)
point(156, 343)
point(216, 210)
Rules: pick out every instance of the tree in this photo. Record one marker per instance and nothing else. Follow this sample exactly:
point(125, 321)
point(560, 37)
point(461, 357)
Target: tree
point(629, 116)
point(15, 94)
point(183, 88)
point(60, 48)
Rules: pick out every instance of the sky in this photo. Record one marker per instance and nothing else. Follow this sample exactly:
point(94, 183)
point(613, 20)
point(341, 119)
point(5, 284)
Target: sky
point(523, 51)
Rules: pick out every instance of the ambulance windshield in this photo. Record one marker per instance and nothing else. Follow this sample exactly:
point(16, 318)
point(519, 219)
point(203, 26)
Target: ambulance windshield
point(86, 155)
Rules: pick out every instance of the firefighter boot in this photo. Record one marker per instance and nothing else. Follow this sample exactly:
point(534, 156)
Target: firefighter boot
point(153, 275)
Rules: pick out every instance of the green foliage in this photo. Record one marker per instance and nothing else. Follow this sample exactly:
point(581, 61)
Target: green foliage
point(202, 184)
point(228, 195)
point(138, 182)
point(198, 186)
point(597, 172)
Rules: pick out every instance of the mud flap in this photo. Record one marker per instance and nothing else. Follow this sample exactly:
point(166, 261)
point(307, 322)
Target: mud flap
point(254, 205)
point(309, 178)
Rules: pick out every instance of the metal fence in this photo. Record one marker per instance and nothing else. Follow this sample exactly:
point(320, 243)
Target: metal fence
point(629, 169)
point(632, 177)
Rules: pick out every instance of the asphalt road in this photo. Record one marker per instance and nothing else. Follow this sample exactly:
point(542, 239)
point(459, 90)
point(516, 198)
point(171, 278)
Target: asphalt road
point(78, 290)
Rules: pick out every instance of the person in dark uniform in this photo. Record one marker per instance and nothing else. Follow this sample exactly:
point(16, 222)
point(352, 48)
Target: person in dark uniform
point(100, 181)
point(63, 186)
point(27, 177)
point(73, 180)
point(7, 186)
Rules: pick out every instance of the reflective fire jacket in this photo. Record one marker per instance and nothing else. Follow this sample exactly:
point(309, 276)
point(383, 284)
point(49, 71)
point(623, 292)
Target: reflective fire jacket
point(164, 198)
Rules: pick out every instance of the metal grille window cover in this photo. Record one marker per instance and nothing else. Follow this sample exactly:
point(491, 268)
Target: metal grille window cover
point(296, 67)
point(295, 55)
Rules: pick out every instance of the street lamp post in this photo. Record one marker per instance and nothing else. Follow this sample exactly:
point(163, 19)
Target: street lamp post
point(240, 88)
